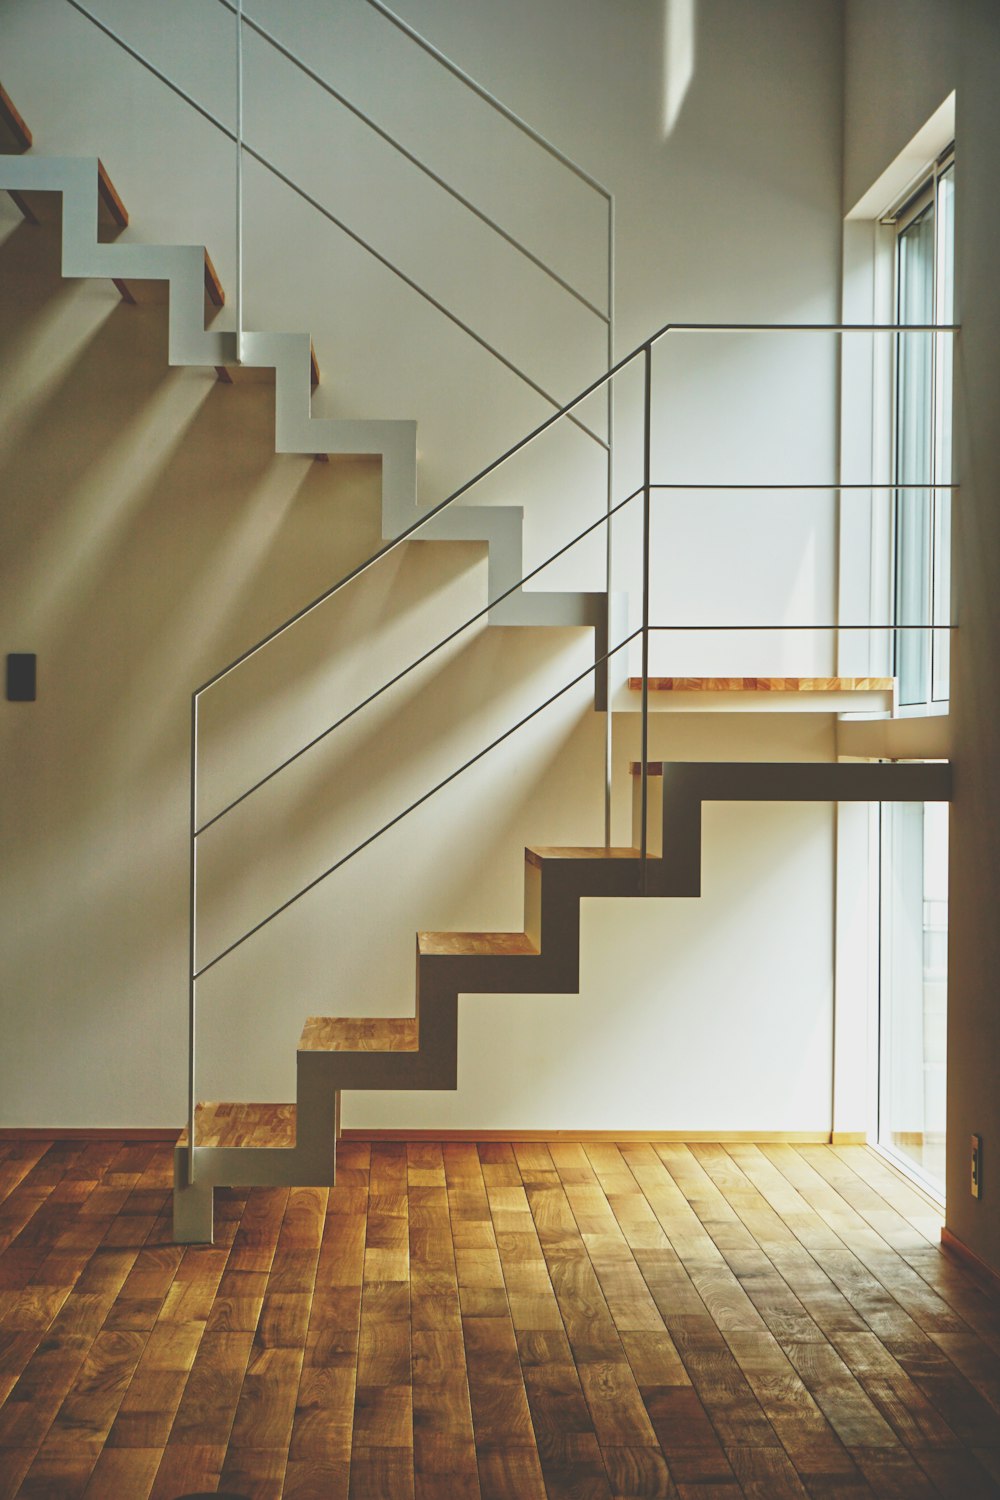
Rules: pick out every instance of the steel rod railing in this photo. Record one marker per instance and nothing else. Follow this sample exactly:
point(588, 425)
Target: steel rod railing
point(404, 151)
point(644, 351)
point(484, 93)
point(339, 223)
point(418, 661)
point(418, 802)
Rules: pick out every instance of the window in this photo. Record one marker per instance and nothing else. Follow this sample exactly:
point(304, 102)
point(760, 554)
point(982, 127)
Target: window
point(924, 278)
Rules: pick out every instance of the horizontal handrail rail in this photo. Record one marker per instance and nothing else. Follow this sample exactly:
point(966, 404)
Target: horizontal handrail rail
point(412, 807)
point(533, 573)
point(326, 213)
point(701, 629)
point(833, 485)
point(410, 156)
point(504, 109)
point(445, 640)
point(589, 390)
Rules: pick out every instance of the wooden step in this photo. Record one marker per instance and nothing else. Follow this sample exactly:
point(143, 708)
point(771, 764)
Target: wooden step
point(359, 1034)
point(506, 944)
point(111, 205)
point(15, 136)
point(764, 684)
point(243, 1125)
point(539, 852)
point(653, 768)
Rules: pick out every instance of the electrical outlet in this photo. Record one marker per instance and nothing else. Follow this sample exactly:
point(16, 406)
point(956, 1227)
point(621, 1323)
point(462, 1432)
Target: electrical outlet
point(976, 1184)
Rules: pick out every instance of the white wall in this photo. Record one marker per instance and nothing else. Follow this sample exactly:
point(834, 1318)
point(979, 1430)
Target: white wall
point(153, 534)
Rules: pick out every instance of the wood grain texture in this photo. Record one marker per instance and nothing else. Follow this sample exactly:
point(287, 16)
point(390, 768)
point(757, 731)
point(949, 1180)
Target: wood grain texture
point(475, 942)
point(458, 1320)
point(14, 133)
point(360, 1034)
point(764, 684)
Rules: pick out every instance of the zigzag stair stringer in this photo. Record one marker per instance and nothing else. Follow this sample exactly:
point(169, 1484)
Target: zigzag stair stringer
point(190, 343)
point(421, 1052)
point(77, 180)
point(402, 1054)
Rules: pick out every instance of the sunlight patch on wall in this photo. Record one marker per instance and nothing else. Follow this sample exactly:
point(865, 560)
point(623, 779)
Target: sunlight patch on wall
point(678, 58)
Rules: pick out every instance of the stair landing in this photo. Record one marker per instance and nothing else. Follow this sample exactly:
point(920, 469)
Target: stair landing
point(763, 694)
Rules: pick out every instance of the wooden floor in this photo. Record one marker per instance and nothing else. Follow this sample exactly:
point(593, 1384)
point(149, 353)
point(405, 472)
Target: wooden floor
point(519, 1321)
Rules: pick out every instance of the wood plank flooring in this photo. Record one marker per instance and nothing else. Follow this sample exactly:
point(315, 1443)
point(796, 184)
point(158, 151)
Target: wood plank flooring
point(502, 1321)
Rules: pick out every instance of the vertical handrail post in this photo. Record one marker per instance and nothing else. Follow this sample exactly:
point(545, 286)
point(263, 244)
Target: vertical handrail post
point(192, 932)
point(239, 181)
point(609, 557)
point(647, 398)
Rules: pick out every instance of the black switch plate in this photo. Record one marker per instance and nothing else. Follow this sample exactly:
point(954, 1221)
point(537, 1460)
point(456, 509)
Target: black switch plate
point(22, 675)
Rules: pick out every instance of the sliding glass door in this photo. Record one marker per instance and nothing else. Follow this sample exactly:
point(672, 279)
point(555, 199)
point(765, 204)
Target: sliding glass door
point(913, 986)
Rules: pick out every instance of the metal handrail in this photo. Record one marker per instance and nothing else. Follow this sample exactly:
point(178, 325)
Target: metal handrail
point(418, 662)
point(326, 213)
point(645, 351)
point(416, 161)
point(491, 99)
point(522, 443)
point(424, 797)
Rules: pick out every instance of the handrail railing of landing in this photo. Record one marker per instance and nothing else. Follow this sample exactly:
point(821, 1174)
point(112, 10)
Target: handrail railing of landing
point(644, 353)
point(605, 316)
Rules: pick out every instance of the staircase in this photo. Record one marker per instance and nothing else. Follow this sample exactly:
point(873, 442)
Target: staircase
point(93, 216)
point(239, 1144)
point(252, 1144)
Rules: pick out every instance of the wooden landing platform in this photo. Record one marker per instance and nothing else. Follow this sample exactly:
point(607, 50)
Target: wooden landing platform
point(764, 684)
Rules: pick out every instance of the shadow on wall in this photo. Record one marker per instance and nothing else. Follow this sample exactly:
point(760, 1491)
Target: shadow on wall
point(420, 733)
point(153, 534)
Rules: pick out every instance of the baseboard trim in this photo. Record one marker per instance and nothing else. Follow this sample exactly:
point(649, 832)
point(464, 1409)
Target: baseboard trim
point(662, 1137)
point(960, 1250)
point(849, 1138)
point(86, 1133)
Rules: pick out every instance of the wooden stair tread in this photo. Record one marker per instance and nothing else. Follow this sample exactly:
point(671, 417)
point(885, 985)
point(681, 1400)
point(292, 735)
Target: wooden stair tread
point(243, 1125)
point(213, 286)
point(110, 199)
point(764, 684)
point(536, 853)
point(474, 943)
point(360, 1034)
point(14, 133)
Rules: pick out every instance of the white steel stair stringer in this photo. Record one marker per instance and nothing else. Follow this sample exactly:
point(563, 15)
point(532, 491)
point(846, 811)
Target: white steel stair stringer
point(421, 1052)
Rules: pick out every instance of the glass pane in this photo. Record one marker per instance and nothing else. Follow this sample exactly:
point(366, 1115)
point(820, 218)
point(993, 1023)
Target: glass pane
point(914, 427)
point(913, 985)
point(942, 444)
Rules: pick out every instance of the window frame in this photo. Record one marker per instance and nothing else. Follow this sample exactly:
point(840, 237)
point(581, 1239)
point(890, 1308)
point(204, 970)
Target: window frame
point(900, 218)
